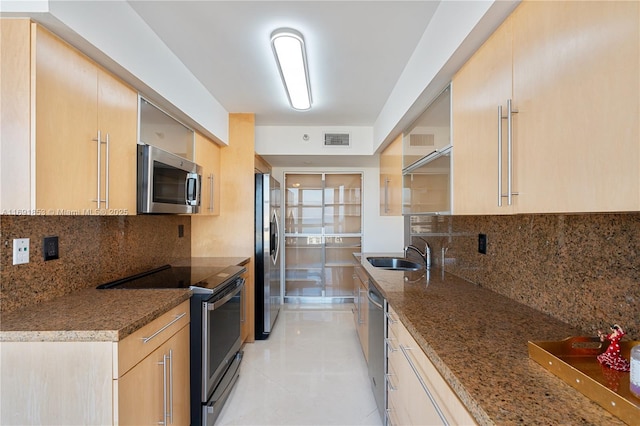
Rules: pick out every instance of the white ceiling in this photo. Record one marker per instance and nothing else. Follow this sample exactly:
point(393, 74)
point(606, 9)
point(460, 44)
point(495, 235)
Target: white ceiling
point(356, 51)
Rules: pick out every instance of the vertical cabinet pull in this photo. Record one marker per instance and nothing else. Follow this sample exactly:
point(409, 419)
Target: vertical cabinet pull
point(163, 363)
point(99, 166)
point(500, 155)
point(390, 347)
point(386, 195)
point(390, 318)
point(171, 386)
point(106, 173)
point(509, 117)
point(390, 385)
point(211, 192)
point(510, 112)
point(99, 200)
point(167, 388)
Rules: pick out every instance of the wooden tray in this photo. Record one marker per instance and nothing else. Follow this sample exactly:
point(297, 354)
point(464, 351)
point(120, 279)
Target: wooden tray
point(574, 361)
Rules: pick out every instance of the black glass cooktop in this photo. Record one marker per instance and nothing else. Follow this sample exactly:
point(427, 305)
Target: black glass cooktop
point(168, 276)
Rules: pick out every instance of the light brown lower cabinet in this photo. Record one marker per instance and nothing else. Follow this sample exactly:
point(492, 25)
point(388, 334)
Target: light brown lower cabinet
point(153, 392)
point(416, 392)
point(361, 308)
point(134, 381)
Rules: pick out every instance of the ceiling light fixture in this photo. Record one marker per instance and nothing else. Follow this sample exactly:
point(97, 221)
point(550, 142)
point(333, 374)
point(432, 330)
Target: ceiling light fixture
point(288, 48)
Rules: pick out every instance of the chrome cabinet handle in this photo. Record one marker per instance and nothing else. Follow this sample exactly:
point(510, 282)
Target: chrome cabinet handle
point(386, 194)
point(510, 112)
point(387, 414)
point(390, 318)
point(211, 192)
point(360, 321)
point(99, 198)
point(176, 319)
point(500, 155)
point(106, 173)
point(389, 384)
point(404, 350)
point(509, 118)
point(170, 386)
point(164, 389)
point(99, 165)
point(390, 347)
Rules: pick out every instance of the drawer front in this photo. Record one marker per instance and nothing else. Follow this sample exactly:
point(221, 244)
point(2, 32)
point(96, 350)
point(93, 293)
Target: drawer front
point(148, 338)
point(444, 397)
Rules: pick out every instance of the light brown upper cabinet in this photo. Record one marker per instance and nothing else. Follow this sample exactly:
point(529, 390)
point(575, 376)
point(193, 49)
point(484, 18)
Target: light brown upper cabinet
point(85, 132)
point(208, 156)
point(570, 70)
point(391, 179)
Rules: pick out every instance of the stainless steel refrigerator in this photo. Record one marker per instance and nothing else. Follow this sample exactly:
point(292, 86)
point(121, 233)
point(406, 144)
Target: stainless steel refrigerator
point(267, 255)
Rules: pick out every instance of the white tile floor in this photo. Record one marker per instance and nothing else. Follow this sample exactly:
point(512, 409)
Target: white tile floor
point(311, 371)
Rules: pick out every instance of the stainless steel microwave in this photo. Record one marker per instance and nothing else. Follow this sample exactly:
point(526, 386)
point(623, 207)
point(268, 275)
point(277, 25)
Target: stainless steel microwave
point(167, 183)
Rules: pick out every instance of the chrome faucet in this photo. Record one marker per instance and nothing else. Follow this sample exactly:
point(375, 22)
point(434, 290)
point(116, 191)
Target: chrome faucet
point(426, 256)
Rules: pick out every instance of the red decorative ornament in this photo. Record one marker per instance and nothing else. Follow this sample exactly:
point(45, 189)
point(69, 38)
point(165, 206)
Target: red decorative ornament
point(611, 357)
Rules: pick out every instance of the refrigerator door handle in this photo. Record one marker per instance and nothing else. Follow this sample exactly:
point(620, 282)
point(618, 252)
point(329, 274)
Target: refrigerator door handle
point(275, 239)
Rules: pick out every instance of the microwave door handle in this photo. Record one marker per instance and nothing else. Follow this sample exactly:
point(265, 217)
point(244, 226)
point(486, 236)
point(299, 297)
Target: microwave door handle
point(191, 189)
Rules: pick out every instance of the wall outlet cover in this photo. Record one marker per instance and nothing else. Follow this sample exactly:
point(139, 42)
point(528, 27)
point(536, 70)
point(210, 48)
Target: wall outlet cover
point(50, 248)
point(482, 243)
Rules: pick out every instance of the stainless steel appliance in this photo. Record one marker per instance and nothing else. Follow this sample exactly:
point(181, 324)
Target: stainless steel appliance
point(377, 347)
point(268, 292)
point(216, 317)
point(167, 183)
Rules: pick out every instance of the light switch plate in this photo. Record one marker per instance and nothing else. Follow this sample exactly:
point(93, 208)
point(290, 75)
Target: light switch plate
point(20, 251)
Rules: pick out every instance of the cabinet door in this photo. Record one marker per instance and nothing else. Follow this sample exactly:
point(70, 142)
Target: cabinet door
point(66, 111)
point(391, 179)
point(362, 310)
point(158, 384)
point(117, 119)
point(208, 156)
point(576, 86)
point(480, 86)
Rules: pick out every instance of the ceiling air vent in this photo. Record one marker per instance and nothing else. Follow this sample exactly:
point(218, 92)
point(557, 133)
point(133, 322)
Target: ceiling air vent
point(421, 140)
point(336, 139)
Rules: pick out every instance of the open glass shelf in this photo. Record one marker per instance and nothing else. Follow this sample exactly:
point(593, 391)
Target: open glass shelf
point(323, 225)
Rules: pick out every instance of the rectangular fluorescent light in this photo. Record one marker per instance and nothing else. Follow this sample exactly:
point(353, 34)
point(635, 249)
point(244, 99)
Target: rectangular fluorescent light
point(288, 48)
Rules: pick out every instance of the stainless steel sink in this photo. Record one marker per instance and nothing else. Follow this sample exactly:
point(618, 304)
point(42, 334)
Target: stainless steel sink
point(395, 263)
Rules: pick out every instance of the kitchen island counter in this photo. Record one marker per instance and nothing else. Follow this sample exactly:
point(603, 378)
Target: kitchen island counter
point(477, 339)
point(99, 315)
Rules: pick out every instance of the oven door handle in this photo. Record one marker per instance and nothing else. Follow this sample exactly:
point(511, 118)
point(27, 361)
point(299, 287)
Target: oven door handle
point(224, 299)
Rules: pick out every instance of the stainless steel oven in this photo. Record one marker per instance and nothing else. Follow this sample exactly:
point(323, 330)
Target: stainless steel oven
point(216, 317)
point(216, 356)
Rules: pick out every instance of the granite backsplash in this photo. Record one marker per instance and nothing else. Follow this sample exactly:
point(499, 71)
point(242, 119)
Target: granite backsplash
point(583, 269)
point(93, 250)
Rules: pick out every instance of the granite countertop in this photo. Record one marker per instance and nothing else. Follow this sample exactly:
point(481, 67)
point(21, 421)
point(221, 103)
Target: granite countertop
point(99, 315)
point(477, 339)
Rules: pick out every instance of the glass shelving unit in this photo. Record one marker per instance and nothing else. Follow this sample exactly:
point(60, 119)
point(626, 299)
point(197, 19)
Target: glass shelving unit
point(323, 226)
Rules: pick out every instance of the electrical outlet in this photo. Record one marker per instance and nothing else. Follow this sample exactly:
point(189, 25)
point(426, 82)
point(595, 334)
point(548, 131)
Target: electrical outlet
point(50, 248)
point(20, 251)
point(482, 243)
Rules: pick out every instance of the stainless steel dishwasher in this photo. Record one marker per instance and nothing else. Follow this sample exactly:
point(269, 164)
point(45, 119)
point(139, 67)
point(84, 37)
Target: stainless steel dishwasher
point(377, 348)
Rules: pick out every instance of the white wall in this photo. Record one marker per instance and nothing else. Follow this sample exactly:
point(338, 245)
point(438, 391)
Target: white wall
point(380, 233)
point(289, 140)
